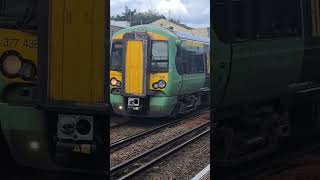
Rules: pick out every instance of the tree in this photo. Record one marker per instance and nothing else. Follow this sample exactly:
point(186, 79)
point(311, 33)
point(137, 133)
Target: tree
point(138, 18)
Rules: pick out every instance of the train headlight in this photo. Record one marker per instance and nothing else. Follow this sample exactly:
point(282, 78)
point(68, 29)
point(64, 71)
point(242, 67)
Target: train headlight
point(11, 65)
point(155, 85)
point(162, 84)
point(34, 145)
point(114, 81)
point(118, 83)
point(28, 71)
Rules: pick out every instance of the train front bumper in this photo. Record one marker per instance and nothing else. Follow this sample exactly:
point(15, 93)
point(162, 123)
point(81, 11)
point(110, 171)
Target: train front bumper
point(160, 106)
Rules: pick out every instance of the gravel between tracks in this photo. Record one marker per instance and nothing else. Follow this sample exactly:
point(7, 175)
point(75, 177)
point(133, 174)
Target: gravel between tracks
point(132, 127)
point(147, 143)
point(184, 164)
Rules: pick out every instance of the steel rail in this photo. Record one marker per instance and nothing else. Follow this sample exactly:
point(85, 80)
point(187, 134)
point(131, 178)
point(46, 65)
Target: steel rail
point(123, 166)
point(131, 139)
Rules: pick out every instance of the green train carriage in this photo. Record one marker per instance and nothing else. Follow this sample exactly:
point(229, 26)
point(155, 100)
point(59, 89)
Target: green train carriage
point(266, 81)
point(156, 72)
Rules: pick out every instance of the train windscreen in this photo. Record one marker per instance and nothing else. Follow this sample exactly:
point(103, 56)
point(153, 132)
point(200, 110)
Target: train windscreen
point(159, 60)
point(18, 13)
point(116, 56)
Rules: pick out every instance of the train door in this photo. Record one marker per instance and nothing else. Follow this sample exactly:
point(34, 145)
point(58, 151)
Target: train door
point(73, 58)
point(135, 64)
point(76, 70)
point(241, 51)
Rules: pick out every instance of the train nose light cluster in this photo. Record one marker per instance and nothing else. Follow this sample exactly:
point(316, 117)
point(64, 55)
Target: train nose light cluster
point(11, 65)
point(160, 84)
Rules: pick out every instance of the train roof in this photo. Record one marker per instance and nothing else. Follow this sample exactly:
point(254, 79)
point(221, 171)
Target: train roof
point(188, 36)
point(163, 31)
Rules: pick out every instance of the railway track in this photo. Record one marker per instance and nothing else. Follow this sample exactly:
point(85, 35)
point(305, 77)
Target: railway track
point(134, 166)
point(120, 143)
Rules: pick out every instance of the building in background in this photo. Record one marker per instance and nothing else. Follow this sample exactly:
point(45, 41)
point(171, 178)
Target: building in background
point(203, 32)
point(116, 26)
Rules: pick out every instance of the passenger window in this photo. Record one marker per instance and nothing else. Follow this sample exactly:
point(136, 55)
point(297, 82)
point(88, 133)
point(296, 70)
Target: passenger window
point(276, 19)
point(220, 20)
point(192, 62)
point(197, 63)
point(240, 20)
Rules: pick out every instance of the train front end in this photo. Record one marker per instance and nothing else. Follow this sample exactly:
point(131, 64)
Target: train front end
point(139, 72)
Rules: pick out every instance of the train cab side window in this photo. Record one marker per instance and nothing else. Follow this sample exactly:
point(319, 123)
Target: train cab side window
point(116, 56)
point(159, 59)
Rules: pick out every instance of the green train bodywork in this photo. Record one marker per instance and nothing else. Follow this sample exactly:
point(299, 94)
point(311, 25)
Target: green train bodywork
point(257, 70)
point(266, 81)
point(163, 103)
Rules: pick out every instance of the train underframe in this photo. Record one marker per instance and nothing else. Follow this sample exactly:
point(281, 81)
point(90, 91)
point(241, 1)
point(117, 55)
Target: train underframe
point(160, 106)
point(248, 132)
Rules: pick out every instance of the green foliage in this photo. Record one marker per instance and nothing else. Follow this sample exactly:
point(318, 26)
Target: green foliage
point(137, 18)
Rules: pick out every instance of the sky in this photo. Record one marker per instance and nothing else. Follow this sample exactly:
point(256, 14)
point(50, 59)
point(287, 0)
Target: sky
point(193, 13)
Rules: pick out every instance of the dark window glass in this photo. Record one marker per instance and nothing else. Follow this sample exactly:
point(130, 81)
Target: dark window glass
point(197, 63)
point(18, 13)
point(220, 20)
point(240, 20)
point(179, 61)
point(276, 19)
point(159, 59)
point(185, 62)
point(191, 62)
point(116, 56)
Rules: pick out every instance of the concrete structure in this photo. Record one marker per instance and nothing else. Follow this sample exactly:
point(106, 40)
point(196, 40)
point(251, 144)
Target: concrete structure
point(116, 26)
point(203, 32)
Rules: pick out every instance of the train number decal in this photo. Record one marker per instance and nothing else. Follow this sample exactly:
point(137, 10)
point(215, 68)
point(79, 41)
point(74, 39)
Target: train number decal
point(15, 43)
